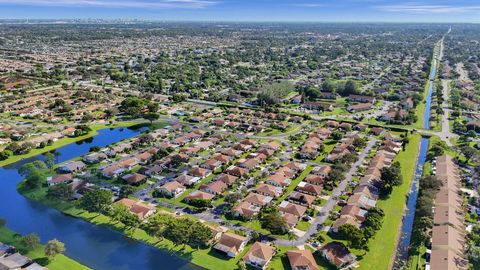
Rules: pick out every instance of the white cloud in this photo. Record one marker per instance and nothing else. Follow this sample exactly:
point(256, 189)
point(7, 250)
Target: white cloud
point(145, 4)
point(421, 8)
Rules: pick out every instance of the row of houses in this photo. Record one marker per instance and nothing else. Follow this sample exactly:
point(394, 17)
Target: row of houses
point(231, 174)
point(311, 147)
point(366, 193)
point(248, 120)
point(448, 234)
point(344, 147)
point(261, 254)
point(265, 193)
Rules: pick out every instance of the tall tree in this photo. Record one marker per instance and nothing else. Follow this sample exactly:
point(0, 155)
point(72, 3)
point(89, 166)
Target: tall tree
point(96, 200)
point(30, 241)
point(53, 248)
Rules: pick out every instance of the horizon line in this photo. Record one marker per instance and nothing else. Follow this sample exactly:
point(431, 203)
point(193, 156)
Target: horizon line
point(234, 21)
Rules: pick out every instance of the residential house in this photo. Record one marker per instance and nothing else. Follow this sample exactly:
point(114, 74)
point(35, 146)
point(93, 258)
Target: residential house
point(231, 244)
point(292, 208)
point(320, 106)
point(361, 200)
point(301, 198)
point(211, 164)
point(227, 178)
point(359, 107)
point(58, 179)
point(94, 157)
point(362, 99)
point(140, 209)
point(269, 190)
point(236, 171)
point(199, 172)
point(172, 189)
point(215, 187)
point(258, 199)
point(187, 180)
point(134, 178)
point(307, 188)
point(322, 170)
point(113, 170)
point(343, 220)
point(354, 211)
point(246, 210)
point(314, 179)
point(278, 180)
point(328, 95)
point(15, 261)
point(301, 260)
point(259, 255)
point(199, 195)
point(338, 254)
point(73, 166)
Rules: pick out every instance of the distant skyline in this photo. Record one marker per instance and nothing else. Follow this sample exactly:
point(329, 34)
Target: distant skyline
point(247, 10)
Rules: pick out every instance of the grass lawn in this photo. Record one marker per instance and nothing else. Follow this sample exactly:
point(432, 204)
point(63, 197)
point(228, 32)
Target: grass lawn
point(280, 260)
point(66, 141)
point(60, 262)
point(295, 183)
point(382, 246)
point(329, 145)
point(197, 186)
point(276, 132)
point(420, 110)
point(303, 225)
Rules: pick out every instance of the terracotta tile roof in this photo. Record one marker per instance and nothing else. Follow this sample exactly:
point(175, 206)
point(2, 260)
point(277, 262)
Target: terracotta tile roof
point(260, 251)
point(301, 259)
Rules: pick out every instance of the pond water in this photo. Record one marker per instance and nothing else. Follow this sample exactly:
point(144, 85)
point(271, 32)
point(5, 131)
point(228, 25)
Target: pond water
point(94, 246)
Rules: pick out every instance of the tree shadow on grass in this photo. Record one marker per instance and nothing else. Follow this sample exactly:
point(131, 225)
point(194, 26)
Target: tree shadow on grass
point(44, 261)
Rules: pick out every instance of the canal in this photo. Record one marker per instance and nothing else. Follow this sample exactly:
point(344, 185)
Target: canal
point(94, 246)
point(407, 222)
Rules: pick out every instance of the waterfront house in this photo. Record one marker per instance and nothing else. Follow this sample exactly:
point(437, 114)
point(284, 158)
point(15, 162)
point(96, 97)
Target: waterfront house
point(142, 210)
point(259, 255)
point(231, 244)
point(73, 166)
point(58, 179)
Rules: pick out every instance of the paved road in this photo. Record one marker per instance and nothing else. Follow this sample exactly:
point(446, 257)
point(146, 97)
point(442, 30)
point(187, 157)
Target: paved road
point(446, 133)
point(332, 201)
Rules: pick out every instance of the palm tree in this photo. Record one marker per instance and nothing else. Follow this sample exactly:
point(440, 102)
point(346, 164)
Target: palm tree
point(292, 236)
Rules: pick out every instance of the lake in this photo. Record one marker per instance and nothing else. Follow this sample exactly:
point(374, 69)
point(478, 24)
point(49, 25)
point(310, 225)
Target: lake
point(94, 246)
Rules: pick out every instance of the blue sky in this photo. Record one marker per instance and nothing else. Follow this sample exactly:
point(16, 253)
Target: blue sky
point(247, 10)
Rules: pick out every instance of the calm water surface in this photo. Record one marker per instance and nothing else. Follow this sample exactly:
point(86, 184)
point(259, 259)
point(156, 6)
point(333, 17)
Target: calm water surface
point(91, 245)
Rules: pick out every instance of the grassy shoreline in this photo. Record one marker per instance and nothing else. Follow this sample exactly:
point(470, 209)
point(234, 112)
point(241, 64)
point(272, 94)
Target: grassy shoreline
point(202, 258)
point(67, 140)
point(60, 262)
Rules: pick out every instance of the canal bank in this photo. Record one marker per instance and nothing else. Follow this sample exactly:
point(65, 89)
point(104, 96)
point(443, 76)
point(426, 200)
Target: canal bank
point(403, 243)
point(97, 247)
